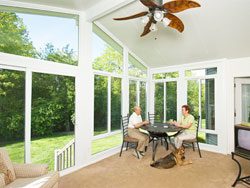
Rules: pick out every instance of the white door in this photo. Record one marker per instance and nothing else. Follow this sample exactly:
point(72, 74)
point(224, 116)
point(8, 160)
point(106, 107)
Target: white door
point(242, 100)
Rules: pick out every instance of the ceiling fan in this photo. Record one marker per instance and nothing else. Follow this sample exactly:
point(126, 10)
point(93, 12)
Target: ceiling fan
point(159, 12)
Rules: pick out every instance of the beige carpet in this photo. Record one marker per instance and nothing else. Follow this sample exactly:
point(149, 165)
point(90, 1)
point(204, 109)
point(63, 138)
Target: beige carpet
point(211, 171)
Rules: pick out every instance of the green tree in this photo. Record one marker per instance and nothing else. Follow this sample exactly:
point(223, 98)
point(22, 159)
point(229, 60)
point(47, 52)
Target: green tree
point(110, 61)
point(14, 37)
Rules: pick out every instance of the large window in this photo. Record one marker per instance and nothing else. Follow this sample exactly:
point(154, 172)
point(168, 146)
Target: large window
point(171, 101)
point(143, 99)
point(138, 96)
point(166, 101)
point(24, 34)
point(201, 99)
point(132, 95)
point(101, 105)
point(116, 101)
point(106, 53)
point(12, 110)
point(159, 102)
point(53, 111)
point(107, 59)
point(107, 113)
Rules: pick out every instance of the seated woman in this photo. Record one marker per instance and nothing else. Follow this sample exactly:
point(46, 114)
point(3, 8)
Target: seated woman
point(188, 123)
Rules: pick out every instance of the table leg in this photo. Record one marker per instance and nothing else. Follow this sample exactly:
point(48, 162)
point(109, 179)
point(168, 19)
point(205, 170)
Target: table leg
point(166, 141)
point(154, 151)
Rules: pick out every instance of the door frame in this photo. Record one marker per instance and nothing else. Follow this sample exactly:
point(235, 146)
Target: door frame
point(238, 82)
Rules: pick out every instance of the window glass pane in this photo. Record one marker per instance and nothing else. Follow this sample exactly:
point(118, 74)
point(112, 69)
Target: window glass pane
point(101, 105)
point(171, 101)
point(201, 72)
point(106, 143)
point(207, 104)
point(106, 53)
point(207, 138)
point(12, 110)
point(53, 116)
point(166, 75)
point(193, 97)
point(143, 99)
point(116, 84)
point(159, 102)
point(135, 68)
point(20, 34)
point(132, 95)
point(245, 102)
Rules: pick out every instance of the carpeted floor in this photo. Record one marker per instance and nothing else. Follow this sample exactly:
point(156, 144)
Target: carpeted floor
point(211, 171)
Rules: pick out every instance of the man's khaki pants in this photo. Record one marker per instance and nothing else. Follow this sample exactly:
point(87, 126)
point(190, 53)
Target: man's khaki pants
point(143, 138)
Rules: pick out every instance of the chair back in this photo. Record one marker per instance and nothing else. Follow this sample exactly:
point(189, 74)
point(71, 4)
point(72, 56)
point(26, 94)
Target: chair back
point(125, 121)
point(198, 125)
point(151, 118)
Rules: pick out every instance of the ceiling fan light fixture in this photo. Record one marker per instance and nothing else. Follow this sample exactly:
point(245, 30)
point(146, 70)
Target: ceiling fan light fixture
point(158, 15)
point(145, 19)
point(166, 22)
point(153, 27)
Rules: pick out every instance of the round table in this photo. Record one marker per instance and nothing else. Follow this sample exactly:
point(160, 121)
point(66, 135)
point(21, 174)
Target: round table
point(159, 131)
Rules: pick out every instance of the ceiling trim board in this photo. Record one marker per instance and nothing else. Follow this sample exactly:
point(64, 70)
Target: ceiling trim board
point(186, 66)
point(105, 7)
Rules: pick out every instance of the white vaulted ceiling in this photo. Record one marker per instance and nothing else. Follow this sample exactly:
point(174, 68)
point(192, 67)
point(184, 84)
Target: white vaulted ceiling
point(219, 29)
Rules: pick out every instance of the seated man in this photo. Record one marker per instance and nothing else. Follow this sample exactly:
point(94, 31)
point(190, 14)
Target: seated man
point(135, 122)
point(188, 123)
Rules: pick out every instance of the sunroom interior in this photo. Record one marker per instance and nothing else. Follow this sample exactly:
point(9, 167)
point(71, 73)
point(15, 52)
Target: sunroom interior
point(68, 72)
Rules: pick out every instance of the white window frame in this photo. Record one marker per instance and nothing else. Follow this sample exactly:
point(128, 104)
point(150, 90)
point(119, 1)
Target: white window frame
point(138, 92)
point(165, 81)
point(109, 131)
point(199, 79)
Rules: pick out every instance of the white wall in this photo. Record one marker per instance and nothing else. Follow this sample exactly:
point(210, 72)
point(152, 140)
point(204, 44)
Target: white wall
point(234, 68)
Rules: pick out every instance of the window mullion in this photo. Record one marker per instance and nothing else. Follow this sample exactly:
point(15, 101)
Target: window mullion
point(200, 90)
point(28, 101)
point(109, 104)
point(164, 102)
point(138, 93)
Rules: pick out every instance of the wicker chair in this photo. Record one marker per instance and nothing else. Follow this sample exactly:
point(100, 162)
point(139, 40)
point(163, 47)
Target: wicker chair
point(195, 140)
point(126, 139)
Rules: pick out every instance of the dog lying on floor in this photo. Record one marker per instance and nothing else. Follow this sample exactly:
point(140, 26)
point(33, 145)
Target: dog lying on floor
point(174, 158)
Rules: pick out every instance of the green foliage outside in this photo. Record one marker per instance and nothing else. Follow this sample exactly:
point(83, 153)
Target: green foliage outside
point(52, 95)
point(132, 96)
point(46, 154)
point(110, 61)
point(116, 100)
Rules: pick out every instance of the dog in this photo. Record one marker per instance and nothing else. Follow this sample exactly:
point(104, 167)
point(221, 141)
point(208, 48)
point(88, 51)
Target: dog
point(176, 157)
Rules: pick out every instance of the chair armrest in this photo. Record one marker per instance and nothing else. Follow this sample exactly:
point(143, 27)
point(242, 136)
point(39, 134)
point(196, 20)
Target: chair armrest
point(30, 170)
point(2, 181)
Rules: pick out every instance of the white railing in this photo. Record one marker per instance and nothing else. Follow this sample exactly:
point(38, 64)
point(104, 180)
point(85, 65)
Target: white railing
point(65, 157)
